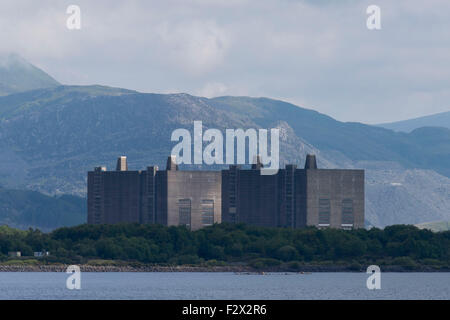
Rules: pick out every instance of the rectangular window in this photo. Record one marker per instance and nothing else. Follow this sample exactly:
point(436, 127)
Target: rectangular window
point(184, 210)
point(347, 213)
point(207, 212)
point(324, 212)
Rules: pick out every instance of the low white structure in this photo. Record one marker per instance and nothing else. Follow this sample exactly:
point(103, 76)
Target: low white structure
point(41, 253)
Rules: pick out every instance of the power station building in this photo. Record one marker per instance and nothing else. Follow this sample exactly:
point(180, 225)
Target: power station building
point(292, 198)
point(169, 197)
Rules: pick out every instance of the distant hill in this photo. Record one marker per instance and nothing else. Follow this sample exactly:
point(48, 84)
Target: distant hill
point(23, 209)
point(50, 138)
point(435, 120)
point(17, 75)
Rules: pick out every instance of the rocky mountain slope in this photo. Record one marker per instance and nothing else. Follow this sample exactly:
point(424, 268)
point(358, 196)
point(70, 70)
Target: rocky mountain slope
point(407, 196)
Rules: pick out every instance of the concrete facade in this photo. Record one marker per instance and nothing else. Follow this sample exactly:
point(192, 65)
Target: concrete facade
point(170, 197)
point(113, 196)
point(335, 198)
point(198, 194)
point(292, 198)
point(249, 197)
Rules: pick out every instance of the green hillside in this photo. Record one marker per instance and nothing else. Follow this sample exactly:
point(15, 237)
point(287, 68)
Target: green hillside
point(23, 209)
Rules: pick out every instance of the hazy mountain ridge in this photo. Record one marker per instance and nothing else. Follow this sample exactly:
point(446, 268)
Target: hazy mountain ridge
point(358, 142)
point(435, 120)
point(17, 75)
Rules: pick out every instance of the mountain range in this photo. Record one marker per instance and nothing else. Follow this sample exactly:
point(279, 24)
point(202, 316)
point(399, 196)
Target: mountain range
point(50, 137)
point(435, 120)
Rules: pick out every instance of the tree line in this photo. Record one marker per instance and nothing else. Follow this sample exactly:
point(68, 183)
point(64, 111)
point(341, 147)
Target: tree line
point(228, 243)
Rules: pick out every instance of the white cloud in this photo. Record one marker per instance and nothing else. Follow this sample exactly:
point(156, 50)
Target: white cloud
point(315, 52)
point(197, 47)
point(212, 89)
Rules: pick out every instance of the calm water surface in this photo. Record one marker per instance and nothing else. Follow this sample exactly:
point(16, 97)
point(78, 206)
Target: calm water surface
point(189, 285)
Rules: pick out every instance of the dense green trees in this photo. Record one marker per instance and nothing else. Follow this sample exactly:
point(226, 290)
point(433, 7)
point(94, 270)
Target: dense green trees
point(225, 243)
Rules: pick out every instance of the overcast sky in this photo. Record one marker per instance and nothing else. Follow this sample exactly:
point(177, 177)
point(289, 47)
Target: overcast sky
point(318, 54)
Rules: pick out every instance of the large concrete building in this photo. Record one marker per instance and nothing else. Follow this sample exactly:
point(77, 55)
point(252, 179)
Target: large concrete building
point(292, 198)
point(169, 197)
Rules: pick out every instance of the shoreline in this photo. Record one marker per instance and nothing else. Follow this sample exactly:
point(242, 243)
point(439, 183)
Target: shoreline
point(235, 269)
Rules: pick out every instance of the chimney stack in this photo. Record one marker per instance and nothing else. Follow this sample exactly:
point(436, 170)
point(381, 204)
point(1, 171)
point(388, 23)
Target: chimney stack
point(310, 162)
point(122, 164)
point(172, 163)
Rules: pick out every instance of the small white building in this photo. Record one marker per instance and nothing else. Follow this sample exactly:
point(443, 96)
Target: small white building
point(14, 254)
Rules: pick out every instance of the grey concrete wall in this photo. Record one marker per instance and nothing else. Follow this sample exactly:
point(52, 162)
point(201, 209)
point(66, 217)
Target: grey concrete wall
point(196, 186)
point(335, 185)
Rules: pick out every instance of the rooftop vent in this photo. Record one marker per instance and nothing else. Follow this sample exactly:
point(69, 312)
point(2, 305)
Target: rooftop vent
point(310, 162)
